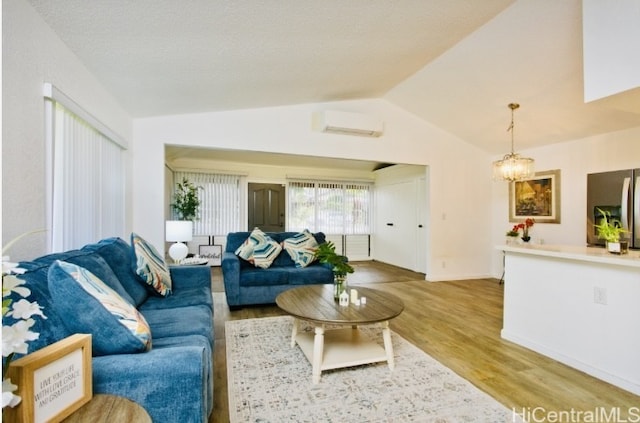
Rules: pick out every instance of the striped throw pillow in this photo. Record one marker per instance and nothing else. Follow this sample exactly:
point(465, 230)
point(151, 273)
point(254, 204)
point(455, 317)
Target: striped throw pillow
point(91, 306)
point(150, 266)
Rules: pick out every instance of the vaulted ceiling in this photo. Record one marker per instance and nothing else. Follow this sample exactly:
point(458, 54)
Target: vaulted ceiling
point(455, 63)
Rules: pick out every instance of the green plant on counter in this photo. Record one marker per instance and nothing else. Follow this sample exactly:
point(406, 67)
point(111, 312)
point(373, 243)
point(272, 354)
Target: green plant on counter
point(609, 229)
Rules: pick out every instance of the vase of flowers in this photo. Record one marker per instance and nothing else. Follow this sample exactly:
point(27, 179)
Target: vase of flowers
point(326, 253)
point(528, 223)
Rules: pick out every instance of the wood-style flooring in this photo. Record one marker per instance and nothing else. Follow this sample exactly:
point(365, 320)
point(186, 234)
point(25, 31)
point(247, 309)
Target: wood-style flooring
point(458, 323)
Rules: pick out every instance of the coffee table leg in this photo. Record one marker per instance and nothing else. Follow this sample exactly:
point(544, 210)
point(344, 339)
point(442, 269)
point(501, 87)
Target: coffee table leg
point(294, 333)
point(318, 351)
point(388, 346)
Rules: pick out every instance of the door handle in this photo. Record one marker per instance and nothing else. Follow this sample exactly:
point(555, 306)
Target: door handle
point(419, 226)
point(624, 203)
point(389, 224)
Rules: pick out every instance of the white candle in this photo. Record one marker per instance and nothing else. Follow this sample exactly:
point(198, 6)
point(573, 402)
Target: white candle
point(354, 296)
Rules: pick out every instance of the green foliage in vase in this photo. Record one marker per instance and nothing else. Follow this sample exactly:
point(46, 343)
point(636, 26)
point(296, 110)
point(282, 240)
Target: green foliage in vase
point(326, 253)
point(186, 201)
point(609, 229)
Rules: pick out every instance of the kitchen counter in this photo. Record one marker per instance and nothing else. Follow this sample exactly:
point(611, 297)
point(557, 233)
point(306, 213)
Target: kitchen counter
point(577, 305)
point(574, 252)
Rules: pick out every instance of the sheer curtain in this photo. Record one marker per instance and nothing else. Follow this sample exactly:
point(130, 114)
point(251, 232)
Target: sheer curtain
point(88, 200)
point(219, 196)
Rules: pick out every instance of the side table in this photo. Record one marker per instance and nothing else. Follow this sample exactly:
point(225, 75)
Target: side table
point(107, 409)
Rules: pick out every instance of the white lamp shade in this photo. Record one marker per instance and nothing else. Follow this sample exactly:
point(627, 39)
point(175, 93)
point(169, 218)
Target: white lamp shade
point(179, 230)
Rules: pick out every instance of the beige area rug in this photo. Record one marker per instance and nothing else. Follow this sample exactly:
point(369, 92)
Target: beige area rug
point(270, 382)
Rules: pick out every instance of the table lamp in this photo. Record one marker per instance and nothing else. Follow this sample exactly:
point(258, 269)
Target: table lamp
point(179, 231)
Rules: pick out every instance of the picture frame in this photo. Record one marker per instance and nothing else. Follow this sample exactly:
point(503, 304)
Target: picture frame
point(211, 252)
point(536, 198)
point(53, 382)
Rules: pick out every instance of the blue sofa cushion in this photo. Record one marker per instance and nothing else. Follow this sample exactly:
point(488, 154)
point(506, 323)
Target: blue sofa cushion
point(90, 306)
point(301, 248)
point(117, 253)
point(168, 381)
point(313, 274)
point(150, 266)
point(258, 277)
point(191, 320)
point(188, 296)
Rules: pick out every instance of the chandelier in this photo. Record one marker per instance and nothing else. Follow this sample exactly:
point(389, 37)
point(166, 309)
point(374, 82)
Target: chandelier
point(512, 167)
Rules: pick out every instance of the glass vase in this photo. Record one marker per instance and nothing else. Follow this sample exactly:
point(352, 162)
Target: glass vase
point(339, 285)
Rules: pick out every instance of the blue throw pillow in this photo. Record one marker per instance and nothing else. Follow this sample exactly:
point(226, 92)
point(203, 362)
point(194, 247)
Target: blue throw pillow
point(88, 305)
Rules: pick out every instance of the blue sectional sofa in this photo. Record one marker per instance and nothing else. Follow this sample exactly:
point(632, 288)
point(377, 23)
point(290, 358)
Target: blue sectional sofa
point(246, 284)
point(173, 380)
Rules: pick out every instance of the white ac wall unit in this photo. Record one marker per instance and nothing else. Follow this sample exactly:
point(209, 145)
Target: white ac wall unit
point(347, 123)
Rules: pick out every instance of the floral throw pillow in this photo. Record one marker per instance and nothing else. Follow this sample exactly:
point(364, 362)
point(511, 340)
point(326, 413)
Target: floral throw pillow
point(302, 248)
point(90, 306)
point(150, 266)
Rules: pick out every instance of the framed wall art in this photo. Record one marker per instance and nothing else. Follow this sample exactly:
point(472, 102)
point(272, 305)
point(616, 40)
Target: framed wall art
point(537, 197)
point(53, 382)
point(211, 252)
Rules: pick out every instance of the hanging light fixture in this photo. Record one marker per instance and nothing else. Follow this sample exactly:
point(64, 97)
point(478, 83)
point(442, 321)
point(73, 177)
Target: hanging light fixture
point(512, 167)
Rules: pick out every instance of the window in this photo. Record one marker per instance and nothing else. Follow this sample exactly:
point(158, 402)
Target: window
point(87, 200)
point(330, 207)
point(219, 195)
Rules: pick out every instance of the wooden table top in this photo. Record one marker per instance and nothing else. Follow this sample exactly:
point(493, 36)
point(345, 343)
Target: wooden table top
point(107, 409)
point(316, 303)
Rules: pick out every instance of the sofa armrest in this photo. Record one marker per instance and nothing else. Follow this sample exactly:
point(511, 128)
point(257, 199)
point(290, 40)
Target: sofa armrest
point(190, 276)
point(180, 394)
point(231, 277)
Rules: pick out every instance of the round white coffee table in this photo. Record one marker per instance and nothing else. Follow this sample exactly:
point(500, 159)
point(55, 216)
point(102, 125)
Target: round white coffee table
point(340, 347)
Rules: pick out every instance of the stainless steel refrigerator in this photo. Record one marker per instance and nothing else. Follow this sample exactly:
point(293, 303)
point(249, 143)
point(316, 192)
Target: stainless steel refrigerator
point(617, 192)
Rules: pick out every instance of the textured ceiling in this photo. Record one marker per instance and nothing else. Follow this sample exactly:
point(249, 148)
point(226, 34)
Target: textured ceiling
point(455, 63)
point(176, 56)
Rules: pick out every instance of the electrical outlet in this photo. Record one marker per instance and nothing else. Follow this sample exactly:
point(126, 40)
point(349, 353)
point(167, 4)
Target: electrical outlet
point(599, 295)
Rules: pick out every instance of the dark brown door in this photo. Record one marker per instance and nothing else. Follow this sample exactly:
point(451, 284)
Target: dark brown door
point(266, 207)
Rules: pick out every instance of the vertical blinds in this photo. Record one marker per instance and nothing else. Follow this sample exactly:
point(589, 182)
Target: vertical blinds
point(219, 196)
point(330, 207)
point(88, 183)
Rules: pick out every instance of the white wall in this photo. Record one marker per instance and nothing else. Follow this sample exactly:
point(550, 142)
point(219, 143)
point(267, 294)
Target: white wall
point(459, 178)
point(575, 159)
point(32, 55)
point(611, 38)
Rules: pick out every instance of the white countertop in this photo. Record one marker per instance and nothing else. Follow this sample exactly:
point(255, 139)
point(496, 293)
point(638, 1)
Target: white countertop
point(574, 252)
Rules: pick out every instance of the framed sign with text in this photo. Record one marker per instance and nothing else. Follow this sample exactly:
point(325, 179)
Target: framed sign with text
point(53, 382)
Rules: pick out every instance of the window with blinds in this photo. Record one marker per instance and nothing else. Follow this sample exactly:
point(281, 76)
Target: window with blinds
point(219, 196)
point(88, 189)
point(330, 207)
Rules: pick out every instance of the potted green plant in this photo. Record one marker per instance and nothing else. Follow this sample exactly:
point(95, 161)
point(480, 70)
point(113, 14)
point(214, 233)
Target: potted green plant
point(186, 201)
point(610, 230)
point(326, 253)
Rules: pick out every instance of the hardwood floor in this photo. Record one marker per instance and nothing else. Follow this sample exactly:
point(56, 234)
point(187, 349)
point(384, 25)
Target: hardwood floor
point(458, 323)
